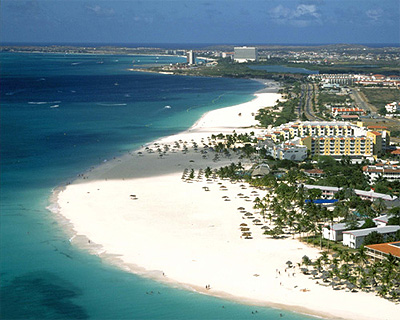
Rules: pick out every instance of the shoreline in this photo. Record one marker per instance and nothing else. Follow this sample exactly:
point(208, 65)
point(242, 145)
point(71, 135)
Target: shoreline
point(186, 228)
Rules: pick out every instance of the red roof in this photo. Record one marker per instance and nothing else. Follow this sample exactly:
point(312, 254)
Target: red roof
point(350, 116)
point(396, 151)
point(348, 110)
point(376, 133)
point(386, 248)
point(376, 127)
point(315, 171)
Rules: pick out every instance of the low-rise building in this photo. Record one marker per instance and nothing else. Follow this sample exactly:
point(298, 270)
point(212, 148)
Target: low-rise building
point(314, 173)
point(334, 232)
point(347, 111)
point(381, 221)
point(260, 171)
point(355, 238)
point(387, 171)
point(288, 151)
point(329, 192)
point(383, 250)
point(393, 107)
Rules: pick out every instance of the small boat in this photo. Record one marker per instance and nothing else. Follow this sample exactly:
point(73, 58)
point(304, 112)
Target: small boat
point(55, 106)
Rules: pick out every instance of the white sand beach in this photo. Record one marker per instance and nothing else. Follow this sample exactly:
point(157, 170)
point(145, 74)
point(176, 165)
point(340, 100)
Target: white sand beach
point(139, 213)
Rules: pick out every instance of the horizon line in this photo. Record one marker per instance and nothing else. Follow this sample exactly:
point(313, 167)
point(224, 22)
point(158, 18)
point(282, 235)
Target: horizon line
point(197, 44)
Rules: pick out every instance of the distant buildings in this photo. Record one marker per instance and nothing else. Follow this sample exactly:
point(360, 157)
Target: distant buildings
point(191, 58)
point(362, 79)
point(245, 54)
point(347, 111)
point(393, 107)
point(346, 79)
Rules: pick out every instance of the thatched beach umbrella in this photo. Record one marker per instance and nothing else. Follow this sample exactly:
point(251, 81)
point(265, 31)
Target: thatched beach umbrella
point(224, 197)
point(304, 270)
point(241, 208)
point(248, 214)
point(243, 224)
point(256, 220)
point(244, 229)
point(246, 234)
point(265, 227)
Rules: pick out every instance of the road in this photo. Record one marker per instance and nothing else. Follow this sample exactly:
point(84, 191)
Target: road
point(361, 102)
point(308, 110)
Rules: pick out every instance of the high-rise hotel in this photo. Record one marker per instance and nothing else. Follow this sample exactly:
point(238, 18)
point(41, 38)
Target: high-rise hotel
point(245, 54)
point(191, 58)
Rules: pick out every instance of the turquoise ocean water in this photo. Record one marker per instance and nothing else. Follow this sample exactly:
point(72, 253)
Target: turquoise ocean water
point(60, 115)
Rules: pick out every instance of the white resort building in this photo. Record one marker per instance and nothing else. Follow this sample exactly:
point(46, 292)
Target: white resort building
point(355, 238)
point(334, 232)
point(245, 54)
point(390, 172)
point(288, 151)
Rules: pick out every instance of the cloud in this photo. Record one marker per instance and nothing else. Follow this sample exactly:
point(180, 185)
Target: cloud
point(100, 11)
point(148, 20)
point(301, 16)
point(374, 14)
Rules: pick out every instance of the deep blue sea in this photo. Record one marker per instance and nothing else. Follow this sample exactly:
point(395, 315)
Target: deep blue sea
point(61, 114)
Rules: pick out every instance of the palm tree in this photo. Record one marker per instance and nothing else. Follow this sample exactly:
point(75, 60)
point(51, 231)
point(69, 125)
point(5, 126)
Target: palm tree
point(362, 255)
point(379, 205)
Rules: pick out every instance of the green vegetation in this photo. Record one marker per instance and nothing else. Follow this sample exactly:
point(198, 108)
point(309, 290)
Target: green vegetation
point(229, 69)
point(341, 173)
point(379, 97)
point(332, 98)
point(351, 270)
point(267, 117)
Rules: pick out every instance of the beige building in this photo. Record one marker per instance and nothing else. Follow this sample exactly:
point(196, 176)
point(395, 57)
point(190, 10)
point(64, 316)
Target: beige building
point(338, 146)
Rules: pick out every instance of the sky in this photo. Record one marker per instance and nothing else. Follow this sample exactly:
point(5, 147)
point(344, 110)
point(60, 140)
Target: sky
point(198, 21)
